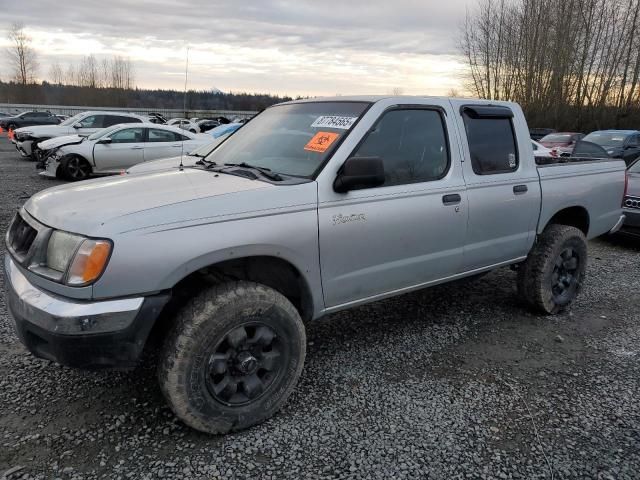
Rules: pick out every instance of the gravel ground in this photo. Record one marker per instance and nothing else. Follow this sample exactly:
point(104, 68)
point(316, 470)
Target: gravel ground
point(457, 381)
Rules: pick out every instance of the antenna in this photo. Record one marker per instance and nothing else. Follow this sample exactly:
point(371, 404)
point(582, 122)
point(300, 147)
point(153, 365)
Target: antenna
point(184, 105)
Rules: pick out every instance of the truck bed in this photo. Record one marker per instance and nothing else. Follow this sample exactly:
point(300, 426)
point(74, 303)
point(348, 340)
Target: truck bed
point(596, 185)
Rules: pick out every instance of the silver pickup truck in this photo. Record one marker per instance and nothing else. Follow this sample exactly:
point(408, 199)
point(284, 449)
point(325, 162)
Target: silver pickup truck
point(313, 207)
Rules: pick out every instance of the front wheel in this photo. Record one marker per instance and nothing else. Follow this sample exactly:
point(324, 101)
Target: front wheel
point(233, 357)
point(76, 168)
point(553, 274)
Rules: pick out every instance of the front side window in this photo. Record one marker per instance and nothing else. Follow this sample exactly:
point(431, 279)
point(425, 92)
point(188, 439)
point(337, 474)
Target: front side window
point(128, 135)
point(292, 139)
point(412, 144)
point(492, 145)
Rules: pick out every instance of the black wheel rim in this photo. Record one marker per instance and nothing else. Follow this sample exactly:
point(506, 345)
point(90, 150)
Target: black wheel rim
point(77, 169)
point(565, 276)
point(244, 365)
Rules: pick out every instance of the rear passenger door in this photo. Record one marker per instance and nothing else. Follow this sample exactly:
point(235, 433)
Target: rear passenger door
point(502, 182)
point(162, 144)
point(410, 230)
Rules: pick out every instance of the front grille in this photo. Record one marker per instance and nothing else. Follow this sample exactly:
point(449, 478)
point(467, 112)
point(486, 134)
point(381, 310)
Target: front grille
point(21, 236)
point(631, 202)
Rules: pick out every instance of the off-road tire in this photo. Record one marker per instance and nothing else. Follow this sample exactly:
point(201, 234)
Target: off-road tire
point(536, 275)
point(201, 325)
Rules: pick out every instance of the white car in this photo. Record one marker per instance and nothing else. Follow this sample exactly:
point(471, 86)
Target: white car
point(113, 150)
point(26, 139)
point(185, 124)
point(188, 160)
point(540, 150)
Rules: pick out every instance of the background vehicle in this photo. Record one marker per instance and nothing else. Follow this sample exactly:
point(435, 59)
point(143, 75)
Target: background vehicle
point(112, 150)
point(540, 150)
point(224, 129)
point(562, 142)
point(158, 118)
point(624, 144)
point(184, 124)
point(538, 133)
point(631, 204)
point(188, 160)
point(206, 125)
point(26, 119)
point(26, 139)
point(313, 207)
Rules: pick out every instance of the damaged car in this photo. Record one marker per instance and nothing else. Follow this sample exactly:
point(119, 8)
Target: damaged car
point(26, 139)
point(112, 150)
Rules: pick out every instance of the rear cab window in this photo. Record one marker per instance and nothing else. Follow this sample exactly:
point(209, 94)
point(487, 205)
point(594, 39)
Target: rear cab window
point(491, 138)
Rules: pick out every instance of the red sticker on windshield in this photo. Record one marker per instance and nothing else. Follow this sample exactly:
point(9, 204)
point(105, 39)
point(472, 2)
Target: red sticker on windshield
point(321, 141)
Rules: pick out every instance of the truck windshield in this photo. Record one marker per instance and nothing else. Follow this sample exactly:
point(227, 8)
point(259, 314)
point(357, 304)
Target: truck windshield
point(607, 139)
point(293, 139)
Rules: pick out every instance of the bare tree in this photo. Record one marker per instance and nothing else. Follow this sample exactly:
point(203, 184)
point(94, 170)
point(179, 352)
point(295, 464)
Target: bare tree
point(22, 56)
point(88, 75)
point(567, 62)
point(56, 74)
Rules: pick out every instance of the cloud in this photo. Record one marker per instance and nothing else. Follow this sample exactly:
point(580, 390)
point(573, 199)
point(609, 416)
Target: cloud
point(294, 47)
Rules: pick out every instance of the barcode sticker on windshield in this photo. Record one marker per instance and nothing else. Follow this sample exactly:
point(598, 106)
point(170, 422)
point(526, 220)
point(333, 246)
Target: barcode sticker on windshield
point(332, 121)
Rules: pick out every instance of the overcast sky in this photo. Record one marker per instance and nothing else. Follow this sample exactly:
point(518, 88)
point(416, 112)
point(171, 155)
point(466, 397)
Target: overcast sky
point(282, 47)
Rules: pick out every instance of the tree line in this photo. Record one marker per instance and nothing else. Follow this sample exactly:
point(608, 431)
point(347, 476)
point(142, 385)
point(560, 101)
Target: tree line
point(571, 64)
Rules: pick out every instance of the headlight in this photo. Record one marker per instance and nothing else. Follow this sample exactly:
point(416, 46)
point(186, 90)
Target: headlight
point(82, 259)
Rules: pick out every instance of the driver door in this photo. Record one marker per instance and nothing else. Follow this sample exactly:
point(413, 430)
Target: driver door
point(125, 150)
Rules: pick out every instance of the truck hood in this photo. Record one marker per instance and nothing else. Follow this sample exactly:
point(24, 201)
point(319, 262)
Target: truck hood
point(88, 206)
point(39, 131)
point(60, 142)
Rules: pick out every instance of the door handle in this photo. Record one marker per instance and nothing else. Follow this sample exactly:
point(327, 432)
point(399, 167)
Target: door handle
point(451, 199)
point(137, 148)
point(520, 189)
point(176, 145)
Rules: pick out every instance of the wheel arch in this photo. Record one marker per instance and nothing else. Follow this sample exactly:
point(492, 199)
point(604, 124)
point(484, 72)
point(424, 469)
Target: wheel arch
point(273, 271)
point(574, 216)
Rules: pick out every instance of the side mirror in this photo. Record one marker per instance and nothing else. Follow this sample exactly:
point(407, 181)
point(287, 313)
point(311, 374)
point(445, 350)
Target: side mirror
point(359, 172)
point(77, 125)
point(105, 140)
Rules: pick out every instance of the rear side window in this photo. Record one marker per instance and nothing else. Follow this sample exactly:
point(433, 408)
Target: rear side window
point(110, 120)
point(412, 144)
point(492, 144)
point(158, 135)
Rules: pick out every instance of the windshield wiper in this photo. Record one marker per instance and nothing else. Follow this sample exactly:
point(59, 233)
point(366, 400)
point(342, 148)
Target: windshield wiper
point(264, 170)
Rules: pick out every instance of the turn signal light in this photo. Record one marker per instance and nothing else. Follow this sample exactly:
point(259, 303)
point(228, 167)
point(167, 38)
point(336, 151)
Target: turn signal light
point(89, 262)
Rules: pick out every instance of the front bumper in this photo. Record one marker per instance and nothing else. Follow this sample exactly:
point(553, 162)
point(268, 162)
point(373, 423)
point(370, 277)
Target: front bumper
point(98, 334)
point(23, 147)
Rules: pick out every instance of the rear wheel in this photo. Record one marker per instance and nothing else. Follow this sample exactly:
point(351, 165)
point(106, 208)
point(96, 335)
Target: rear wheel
point(233, 357)
point(76, 168)
point(553, 274)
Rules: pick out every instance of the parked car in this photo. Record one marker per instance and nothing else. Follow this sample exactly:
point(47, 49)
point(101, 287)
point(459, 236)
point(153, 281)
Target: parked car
point(225, 129)
point(206, 125)
point(631, 204)
point(158, 118)
point(562, 142)
point(62, 118)
point(4, 115)
point(540, 150)
point(313, 207)
point(27, 119)
point(112, 150)
point(538, 134)
point(26, 139)
point(184, 124)
point(190, 159)
point(624, 144)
